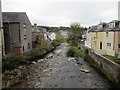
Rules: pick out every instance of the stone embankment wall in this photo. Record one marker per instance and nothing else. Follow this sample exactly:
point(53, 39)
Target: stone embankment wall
point(106, 66)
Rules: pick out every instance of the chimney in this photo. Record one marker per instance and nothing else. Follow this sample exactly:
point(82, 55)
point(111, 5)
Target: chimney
point(35, 24)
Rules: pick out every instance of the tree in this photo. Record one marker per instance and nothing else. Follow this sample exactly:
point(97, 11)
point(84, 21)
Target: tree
point(75, 33)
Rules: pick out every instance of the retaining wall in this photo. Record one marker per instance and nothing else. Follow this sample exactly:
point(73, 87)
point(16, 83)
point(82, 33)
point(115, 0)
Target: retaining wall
point(106, 66)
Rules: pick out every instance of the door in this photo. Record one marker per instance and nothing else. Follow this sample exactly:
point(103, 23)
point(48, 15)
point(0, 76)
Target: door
point(100, 45)
point(7, 38)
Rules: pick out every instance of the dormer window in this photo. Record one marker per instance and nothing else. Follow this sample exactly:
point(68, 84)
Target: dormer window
point(100, 26)
point(111, 25)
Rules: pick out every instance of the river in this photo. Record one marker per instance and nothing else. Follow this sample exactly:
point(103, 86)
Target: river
point(57, 70)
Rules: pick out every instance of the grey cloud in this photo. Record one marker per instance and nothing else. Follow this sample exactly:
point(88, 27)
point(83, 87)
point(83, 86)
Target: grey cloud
point(63, 13)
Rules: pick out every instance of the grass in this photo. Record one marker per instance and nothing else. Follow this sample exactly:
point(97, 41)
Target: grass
point(113, 58)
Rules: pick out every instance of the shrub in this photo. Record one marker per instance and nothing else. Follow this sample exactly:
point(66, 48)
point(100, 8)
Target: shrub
point(86, 51)
point(71, 52)
point(79, 53)
point(56, 43)
point(15, 58)
point(88, 58)
point(75, 52)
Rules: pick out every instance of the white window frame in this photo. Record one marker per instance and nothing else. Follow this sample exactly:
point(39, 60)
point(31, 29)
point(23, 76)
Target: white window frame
point(109, 45)
point(111, 25)
point(100, 26)
point(24, 25)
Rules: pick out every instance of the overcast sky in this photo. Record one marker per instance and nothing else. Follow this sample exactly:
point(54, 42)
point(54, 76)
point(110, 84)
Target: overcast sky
point(64, 12)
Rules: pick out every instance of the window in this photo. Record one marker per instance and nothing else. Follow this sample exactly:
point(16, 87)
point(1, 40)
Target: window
point(96, 34)
point(24, 25)
point(106, 34)
point(100, 45)
point(100, 26)
point(25, 33)
point(111, 25)
point(119, 46)
point(94, 43)
point(109, 44)
point(23, 49)
point(119, 24)
point(25, 37)
point(28, 45)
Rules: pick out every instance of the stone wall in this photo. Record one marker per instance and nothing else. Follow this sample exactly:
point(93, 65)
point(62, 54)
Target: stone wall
point(106, 66)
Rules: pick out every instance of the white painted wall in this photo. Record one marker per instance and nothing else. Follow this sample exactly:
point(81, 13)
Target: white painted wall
point(52, 36)
point(45, 36)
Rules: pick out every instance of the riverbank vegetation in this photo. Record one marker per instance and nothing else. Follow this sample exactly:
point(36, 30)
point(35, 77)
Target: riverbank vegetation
point(12, 75)
point(74, 38)
point(75, 51)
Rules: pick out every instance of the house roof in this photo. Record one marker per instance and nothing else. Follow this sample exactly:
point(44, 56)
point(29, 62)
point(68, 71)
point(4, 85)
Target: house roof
point(14, 16)
point(35, 29)
point(105, 27)
point(114, 21)
point(92, 28)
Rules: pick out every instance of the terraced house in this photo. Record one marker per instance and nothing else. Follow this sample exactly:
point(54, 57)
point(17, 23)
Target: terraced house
point(17, 32)
point(104, 38)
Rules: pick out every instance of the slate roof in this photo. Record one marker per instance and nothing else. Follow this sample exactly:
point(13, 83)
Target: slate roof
point(92, 28)
point(13, 16)
point(105, 27)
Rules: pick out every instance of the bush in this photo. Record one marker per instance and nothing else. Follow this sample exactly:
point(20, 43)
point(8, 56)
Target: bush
point(14, 60)
point(56, 43)
point(71, 52)
point(86, 51)
point(75, 52)
point(88, 58)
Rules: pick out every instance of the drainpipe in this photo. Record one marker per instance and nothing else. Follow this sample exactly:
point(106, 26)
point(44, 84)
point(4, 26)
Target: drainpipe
point(2, 39)
point(114, 41)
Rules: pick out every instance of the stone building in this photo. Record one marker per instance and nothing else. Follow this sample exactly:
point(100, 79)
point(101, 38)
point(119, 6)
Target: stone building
point(17, 32)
